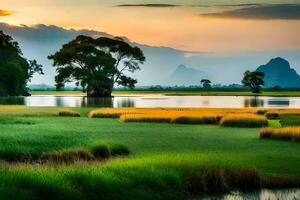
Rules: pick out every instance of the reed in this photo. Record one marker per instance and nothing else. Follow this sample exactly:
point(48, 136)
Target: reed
point(244, 120)
point(287, 133)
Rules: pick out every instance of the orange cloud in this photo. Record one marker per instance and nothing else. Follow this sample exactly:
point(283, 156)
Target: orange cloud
point(5, 13)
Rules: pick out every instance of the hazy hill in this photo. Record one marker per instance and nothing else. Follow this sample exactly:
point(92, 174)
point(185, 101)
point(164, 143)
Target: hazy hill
point(186, 76)
point(278, 72)
point(37, 42)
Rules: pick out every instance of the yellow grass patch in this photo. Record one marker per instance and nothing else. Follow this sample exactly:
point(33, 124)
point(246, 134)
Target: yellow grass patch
point(243, 120)
point(288, 133)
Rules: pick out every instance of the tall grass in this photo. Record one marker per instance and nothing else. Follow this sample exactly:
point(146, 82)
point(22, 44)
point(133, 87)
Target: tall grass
point(197, 120)
point(132, 180)
point(68, 113)
point(290, 120)
point(246, 120)
point(287, 133)
point(144, 118)
point(67, 156)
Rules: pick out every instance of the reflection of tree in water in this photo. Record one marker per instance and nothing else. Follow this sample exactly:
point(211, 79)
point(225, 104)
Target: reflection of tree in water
point(253, 102)
point(59, 101)
point(125, 103)
point(12, 101)
point(99, 102)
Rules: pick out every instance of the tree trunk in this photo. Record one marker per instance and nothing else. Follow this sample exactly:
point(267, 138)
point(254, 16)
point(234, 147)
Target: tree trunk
point(99, 92)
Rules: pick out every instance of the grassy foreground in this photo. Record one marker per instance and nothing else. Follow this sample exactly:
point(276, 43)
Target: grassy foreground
point(161, 155)
point(180, 93)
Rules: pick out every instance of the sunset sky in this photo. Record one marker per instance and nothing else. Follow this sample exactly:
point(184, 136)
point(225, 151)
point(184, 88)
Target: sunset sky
point(206, 26)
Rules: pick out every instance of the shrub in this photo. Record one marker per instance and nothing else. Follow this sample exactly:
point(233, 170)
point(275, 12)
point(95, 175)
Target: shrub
point(261, 112)
point(272, 115)
point(67, 156)
point(101, 151)
point(196, 120)
point(119, 150)
point(244, 179)
point(287, 133)
point(246, 120)
point(68, 113)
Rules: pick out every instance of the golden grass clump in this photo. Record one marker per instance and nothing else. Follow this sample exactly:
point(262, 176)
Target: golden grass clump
point(144, 118)
point(244, 120)
point(287, 133)
point(197, 120)
point(68, 113)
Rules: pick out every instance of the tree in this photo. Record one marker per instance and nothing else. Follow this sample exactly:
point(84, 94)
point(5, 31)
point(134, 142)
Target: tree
point(15, 71)
point(254, 80)
point(206, 83)
point(97, 64)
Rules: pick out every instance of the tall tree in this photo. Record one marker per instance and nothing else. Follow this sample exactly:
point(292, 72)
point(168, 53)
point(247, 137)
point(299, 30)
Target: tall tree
point(15, 70)
point(206, 83)
point(97, 64)
point(253, 80)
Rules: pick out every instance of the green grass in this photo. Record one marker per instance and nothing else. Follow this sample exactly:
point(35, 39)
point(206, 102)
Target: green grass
point(290, 120)
point(48, 134)
point(161, 155)
point(181, 93)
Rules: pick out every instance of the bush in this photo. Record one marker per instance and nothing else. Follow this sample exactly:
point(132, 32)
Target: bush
point(196, 120)
point(68, 156)
point(244, 180)
point(101, 151)
point(287, 133)
point(247, 120)
point(261, 112)
point(68, 113)
point(119, 150)
point(272, 115)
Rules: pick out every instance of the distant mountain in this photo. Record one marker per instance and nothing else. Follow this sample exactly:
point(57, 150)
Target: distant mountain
point(278, 72)
point(186, 76)
point(40, 41)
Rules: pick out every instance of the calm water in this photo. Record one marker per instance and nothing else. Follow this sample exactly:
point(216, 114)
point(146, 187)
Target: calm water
point(262, 195)
point(155, 101)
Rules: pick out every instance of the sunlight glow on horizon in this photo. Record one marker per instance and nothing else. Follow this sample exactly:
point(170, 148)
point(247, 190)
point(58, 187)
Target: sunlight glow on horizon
point(177, 27)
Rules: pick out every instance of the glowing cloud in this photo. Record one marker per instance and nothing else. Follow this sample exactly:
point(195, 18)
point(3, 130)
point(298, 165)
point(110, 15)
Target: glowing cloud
point(5, 13)
point(263, 12)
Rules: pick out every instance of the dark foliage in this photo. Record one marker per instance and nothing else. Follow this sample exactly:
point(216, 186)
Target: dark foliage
point(97, 64)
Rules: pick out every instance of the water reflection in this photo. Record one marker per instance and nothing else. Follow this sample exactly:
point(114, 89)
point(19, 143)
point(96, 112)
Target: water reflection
point(155, 101)
point(279, 102)
point(253, 102)
point(293, 194)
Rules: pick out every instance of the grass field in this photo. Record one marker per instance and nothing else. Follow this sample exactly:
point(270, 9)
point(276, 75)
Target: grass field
point(161, 156)
point(180, 93)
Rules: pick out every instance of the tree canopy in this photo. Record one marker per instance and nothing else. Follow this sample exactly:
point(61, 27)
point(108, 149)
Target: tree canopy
point(206, 83)
point(254, 80)
point(15, 70)
point(97, 64)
